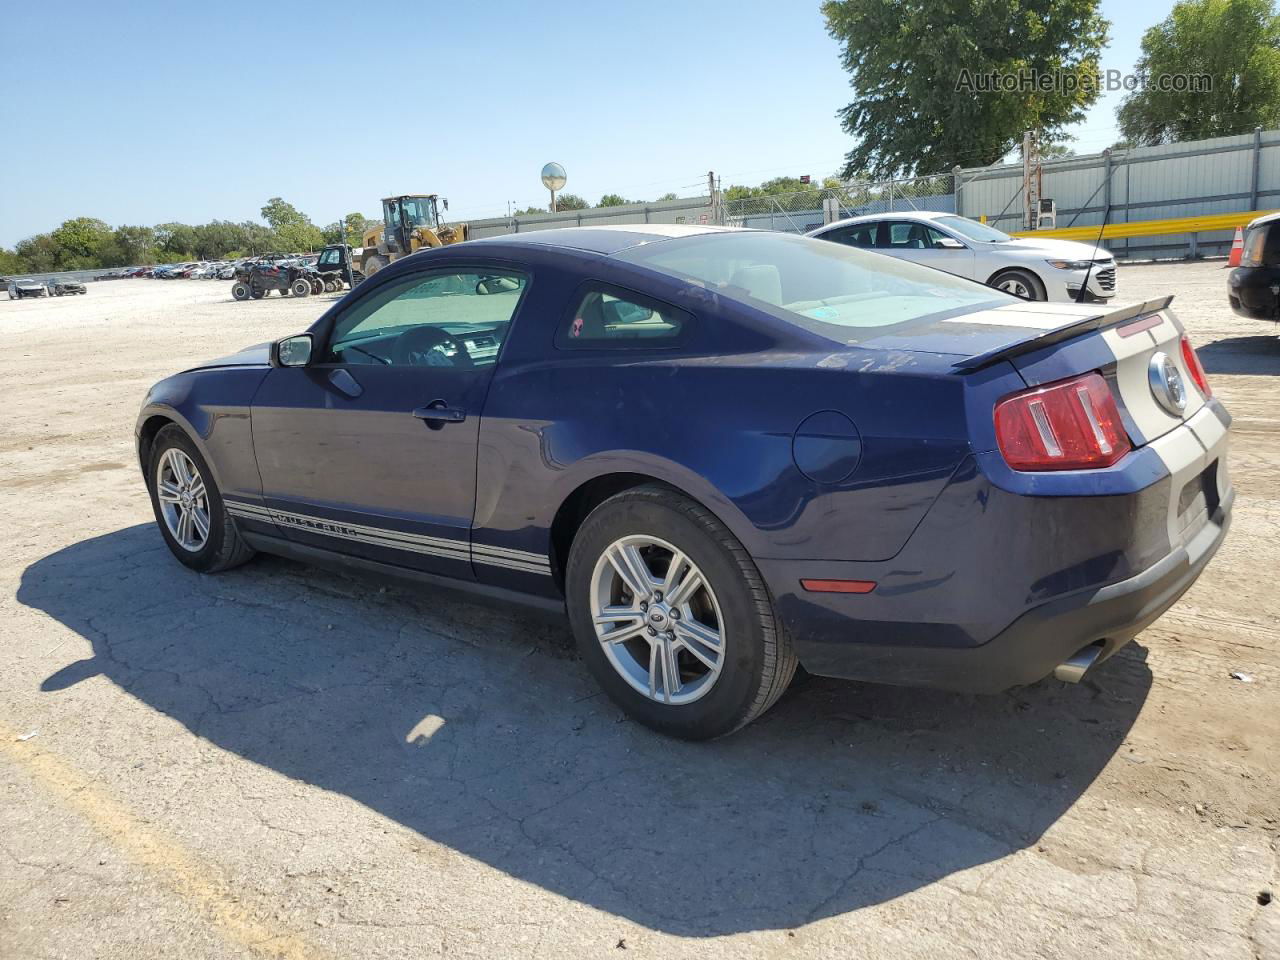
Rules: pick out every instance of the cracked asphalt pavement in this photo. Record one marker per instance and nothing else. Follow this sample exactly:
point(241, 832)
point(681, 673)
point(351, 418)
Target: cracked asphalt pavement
point(285, 762)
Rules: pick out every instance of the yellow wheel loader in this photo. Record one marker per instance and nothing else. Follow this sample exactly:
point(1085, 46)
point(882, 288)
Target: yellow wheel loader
point(409, 223)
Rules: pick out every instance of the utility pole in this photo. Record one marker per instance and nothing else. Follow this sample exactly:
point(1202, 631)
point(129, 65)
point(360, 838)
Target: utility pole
point(1032, 179)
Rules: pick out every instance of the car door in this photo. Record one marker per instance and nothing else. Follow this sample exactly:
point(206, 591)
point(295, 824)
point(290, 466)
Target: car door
point(370, 449)
point(926, 245)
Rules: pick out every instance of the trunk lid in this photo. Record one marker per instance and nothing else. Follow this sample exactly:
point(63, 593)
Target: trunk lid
point(1130, 346)
point(1053, 341)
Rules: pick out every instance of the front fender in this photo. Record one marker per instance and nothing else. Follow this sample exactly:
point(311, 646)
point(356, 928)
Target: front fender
point(212, 406)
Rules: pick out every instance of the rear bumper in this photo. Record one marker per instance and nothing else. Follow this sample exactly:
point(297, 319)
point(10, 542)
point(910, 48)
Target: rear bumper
point(1031, 647)
point(997, 588)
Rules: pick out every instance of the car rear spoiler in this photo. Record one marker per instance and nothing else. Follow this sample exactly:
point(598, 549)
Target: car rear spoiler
point(1069, 332)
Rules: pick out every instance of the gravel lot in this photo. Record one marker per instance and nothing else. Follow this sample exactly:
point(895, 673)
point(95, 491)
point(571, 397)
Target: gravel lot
point(285, 762)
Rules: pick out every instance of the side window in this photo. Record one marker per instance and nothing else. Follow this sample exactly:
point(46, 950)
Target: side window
point(430, 319)
point(860, 235)
point(903, 235)
point(1271, 251)
point(602, 318)
point(936, 237)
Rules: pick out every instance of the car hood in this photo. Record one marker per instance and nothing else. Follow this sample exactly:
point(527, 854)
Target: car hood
point(259, 355)
point(1057, 249)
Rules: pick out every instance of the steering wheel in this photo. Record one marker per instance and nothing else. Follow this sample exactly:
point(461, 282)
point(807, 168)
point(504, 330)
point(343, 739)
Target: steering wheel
point(415, 346)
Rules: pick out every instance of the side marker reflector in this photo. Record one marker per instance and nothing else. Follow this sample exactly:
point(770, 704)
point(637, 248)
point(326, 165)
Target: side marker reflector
point(838, 586)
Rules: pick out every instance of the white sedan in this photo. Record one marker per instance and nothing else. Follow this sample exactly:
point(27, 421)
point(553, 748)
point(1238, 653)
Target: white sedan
point(1029, 267)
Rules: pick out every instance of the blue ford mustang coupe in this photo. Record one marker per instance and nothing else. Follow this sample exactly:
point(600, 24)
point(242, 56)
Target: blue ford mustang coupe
point(724, 452)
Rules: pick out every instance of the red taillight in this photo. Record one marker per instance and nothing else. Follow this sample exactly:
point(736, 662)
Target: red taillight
point(1072, 425)
point(1194, 368)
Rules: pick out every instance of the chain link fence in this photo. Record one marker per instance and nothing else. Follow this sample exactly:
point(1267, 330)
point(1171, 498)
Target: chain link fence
point(809, 209)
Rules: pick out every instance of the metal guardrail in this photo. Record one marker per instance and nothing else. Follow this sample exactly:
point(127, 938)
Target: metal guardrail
point(1152, 228)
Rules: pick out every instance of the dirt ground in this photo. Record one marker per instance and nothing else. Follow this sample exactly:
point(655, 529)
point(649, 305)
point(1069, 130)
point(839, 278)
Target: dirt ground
point(285, 762)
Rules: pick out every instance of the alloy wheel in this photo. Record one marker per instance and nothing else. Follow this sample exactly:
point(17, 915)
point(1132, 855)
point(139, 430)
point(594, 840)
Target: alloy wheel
point(1016, 287)
point(184, 501)
point(657, 619)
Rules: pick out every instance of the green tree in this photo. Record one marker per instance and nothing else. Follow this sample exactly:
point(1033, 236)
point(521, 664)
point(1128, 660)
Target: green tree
point(1235, 44)
point(668, 196)
point(128, 246)
point(10, 262)
point(570, 201)
point(293, 230)
point(613, 200)
point(774, 187)
point(354, 225)
point(176, 241)
point(78, 243)
point(916, 68)
point(38, 254)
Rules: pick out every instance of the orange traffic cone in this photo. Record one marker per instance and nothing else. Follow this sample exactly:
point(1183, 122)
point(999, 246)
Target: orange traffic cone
point(1237, 248)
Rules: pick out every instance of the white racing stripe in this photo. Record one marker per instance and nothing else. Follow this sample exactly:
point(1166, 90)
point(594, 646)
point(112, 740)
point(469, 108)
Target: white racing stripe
point(505, 557)
point(1185, 454)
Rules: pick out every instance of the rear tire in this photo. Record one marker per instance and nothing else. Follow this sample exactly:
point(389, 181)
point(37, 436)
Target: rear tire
point(221, 546)
point(749, 666)
point(1021, 283)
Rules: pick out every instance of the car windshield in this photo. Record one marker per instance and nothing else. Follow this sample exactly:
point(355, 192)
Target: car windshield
point(828, 287)
point(973, 229)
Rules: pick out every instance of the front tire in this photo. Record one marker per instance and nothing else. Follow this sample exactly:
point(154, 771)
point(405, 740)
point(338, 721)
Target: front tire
point(672, 617)
point(300, 288)
point(240, 291)
point(188, 507)
point(1020, 283)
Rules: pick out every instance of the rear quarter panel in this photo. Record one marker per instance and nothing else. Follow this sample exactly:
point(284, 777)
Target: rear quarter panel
point(715, 420)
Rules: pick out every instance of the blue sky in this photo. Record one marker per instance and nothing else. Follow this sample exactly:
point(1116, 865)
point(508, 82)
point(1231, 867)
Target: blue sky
point(191, 112)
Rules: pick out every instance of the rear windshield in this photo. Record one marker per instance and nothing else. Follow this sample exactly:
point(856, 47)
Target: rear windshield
point(834, 289)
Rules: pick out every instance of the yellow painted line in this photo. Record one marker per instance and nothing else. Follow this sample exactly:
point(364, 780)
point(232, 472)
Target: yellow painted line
point(191, 879)
point(1152, 228)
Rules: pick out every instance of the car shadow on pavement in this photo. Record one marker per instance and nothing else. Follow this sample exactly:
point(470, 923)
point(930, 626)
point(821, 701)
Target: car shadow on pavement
point(479, 729)
point(1250, 356)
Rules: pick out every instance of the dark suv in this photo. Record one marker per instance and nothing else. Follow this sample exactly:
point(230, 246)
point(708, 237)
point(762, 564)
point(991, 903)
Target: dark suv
point(1253, 288)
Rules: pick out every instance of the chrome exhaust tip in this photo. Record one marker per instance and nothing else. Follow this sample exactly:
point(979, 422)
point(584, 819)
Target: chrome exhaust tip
point(1073, 669)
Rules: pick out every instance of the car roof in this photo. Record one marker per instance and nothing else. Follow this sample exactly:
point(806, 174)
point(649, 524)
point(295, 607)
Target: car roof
point(605, 240)
point(1268, 218)
point(921, 215)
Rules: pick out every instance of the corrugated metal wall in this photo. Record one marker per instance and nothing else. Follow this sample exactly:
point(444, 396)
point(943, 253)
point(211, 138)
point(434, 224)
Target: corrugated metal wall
point(1146, 183)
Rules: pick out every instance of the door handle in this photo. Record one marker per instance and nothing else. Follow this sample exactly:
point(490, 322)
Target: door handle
point(437, 413)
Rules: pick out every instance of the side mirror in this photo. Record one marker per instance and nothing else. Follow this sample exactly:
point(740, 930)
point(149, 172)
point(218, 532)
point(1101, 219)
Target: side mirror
point(292, 351)
point(949, 243)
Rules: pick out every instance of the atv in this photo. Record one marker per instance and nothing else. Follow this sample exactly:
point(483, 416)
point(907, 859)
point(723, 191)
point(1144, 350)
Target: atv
point(257, 278)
